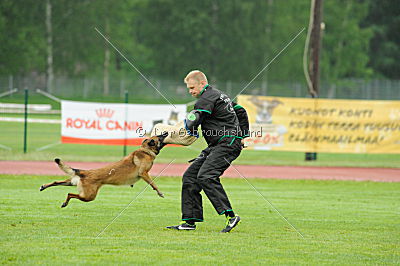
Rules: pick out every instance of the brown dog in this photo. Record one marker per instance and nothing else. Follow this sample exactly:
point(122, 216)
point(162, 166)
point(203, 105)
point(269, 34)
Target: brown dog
point(125, 172)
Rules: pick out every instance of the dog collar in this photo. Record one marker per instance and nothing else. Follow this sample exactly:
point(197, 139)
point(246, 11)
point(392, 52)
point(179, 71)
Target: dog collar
point(151, 153)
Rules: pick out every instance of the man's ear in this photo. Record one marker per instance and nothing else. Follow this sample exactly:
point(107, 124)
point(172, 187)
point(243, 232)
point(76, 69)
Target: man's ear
point(152, 142)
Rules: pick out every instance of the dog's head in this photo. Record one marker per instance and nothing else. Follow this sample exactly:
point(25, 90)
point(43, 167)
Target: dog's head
point(155, 143)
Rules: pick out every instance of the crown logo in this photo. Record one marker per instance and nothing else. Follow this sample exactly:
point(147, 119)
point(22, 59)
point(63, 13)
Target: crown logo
point(104, 112)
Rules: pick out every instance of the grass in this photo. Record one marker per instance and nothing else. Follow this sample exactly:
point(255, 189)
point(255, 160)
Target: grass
point(41, 135)
point(343, 222)
point(41, 116)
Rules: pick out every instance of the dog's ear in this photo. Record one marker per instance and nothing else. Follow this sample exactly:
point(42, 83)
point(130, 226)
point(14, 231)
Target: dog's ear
point(144, 141)
point(152, 143)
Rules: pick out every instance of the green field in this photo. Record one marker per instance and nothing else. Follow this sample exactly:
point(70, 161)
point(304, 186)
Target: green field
point(344, 222)
point(42, 135)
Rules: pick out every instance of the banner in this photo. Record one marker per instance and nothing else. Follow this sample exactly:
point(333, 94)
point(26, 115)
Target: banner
point(322, 125)
point(114, 123)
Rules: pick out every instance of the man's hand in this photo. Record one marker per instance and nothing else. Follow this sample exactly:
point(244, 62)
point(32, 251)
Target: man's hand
point(192, 122)
point(243, 146)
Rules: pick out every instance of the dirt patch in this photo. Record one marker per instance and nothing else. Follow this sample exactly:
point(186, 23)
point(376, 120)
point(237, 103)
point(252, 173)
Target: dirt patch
point(248, 171)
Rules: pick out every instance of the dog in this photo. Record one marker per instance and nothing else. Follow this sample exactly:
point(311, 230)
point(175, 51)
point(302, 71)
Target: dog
point(125, 172)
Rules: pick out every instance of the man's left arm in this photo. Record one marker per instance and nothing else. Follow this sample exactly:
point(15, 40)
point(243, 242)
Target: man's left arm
point(243, 119)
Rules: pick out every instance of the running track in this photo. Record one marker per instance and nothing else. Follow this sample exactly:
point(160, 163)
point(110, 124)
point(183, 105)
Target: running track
point(248, 171)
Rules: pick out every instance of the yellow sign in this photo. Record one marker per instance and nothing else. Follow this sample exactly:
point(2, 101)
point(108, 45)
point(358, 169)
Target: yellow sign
point(322, 125)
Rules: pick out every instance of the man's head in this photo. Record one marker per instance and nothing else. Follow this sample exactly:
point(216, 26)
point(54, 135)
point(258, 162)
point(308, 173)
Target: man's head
point(195, 82)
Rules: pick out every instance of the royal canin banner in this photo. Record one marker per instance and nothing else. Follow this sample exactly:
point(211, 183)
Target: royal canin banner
point(114, 123)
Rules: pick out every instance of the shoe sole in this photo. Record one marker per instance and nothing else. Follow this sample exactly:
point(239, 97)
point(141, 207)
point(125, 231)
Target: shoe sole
point(176, 229)
point(232, 227)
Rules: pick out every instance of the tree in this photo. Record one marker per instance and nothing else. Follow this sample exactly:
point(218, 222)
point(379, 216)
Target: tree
point(49, 33)
point(384, 19)
point(345, 47)
point(229, 40)
point(22, 37)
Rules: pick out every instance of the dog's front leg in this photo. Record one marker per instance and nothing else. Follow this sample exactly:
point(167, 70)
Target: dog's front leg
point(146, 177)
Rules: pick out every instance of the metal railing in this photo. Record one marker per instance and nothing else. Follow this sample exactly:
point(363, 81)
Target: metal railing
point(92, 88)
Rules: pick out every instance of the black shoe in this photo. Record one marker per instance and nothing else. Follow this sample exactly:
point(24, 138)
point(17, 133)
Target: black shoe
point(231, 223)
point(182, 226)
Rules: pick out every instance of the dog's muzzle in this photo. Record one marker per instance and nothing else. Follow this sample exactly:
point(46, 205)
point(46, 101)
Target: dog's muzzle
point(161, 138)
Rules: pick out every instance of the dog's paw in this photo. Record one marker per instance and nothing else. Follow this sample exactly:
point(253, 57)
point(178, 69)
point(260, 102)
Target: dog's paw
point(57, 160)
point(160, 194)
point(42, 188)
point(64, 205)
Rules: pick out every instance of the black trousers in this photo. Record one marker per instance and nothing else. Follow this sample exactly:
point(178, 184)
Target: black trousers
point(203, 174)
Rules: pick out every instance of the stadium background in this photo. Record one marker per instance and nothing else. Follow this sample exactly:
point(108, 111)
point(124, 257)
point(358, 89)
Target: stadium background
point(53, 46)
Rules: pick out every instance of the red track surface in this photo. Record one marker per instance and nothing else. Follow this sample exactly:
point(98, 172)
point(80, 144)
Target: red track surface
point(248, 171)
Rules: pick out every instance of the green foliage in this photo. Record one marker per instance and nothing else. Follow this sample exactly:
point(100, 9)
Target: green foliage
point(384, 19)
point(345, 43)
point(22, 37)
point(228, 40)
point(344, 223)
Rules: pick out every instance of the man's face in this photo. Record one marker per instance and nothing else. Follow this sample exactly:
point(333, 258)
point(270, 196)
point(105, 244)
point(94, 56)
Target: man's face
point(195, 87)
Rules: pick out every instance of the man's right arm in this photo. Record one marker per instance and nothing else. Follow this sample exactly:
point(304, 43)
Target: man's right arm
point(202, 108)
point(193, 120)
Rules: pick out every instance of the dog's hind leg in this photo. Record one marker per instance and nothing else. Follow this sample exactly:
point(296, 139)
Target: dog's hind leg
point(70, 196)
point(146, 177)
point(77, 196)
point(66, 182)
point(86, 193)
point(74, 173)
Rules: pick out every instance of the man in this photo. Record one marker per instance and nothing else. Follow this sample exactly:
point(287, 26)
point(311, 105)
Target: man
point(224, 124)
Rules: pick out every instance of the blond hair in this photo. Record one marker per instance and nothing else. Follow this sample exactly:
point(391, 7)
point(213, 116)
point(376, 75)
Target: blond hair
point(195, 75)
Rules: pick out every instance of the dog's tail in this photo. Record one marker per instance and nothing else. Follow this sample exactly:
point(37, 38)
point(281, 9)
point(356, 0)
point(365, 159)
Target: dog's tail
point(67, 169)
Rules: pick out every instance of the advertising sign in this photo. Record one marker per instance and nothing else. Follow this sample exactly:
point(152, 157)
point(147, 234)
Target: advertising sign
point(114, 123)
point(322, 125)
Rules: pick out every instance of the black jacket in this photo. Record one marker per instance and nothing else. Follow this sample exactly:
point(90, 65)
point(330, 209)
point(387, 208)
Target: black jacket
point(220, 117)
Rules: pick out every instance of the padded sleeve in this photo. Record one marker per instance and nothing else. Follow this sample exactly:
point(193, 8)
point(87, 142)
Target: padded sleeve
point(243, 119)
